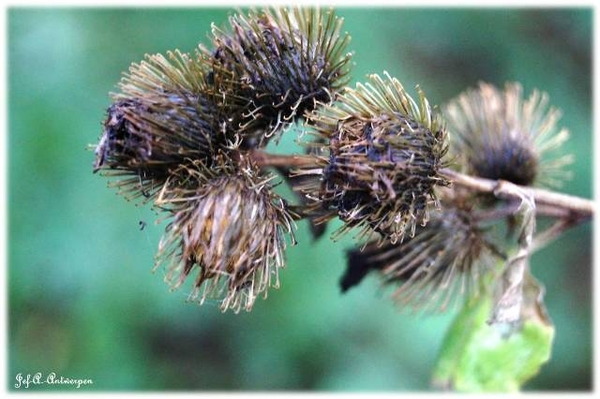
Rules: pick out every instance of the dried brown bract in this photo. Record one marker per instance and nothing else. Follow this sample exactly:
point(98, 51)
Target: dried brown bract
point(229, 228)
point(384, 154)
point(285, 61)
point(164, 115)
point(449, 258)
point(499, 135)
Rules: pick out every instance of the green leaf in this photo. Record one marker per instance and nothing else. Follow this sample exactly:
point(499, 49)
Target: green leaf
point(479, 357)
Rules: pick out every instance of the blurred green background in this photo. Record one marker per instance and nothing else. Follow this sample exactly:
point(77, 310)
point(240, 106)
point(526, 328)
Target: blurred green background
point(82, 300)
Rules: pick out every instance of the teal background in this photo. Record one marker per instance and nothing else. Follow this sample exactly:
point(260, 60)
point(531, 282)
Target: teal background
point(82, 301)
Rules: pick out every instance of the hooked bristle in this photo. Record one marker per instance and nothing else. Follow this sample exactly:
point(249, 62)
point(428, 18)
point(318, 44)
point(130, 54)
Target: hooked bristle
point(499, 135)
point(287, 61)
point(385, 151)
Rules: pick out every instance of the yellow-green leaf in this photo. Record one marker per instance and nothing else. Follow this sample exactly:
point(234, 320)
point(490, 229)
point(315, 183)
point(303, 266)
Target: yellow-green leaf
point(479, 357)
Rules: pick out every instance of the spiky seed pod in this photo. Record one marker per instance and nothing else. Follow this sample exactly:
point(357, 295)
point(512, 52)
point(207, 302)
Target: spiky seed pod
point(500, 135)
point(229, 228)
point(286, 59)
point(444, 260)
point(385, 151)
point(165, 113)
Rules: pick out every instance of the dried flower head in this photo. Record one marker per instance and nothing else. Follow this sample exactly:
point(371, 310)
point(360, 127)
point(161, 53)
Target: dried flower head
point(444, 260)
point(228, 227)
point(499, 135)
point(166, 113)
point(286, 61)
point(385, 151)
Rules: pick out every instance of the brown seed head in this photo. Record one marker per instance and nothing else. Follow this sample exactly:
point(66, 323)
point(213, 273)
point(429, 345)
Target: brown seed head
point(164, 115)
point(499, 135)
point(229, 229)
point(444, 260)
point(384, 155)
point(286, 60)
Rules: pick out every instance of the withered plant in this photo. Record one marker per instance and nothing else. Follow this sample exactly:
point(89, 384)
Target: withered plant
point(422, 187)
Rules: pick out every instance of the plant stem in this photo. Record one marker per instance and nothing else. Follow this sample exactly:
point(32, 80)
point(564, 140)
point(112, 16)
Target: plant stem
point(548, 203)
point(265, 159)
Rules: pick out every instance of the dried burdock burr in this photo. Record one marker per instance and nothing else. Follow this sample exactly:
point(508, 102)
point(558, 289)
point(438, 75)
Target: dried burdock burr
point(164, 114)
point(286, 60)
point(228, 228)
point(385, 151)
point(499, 135)
point(448, 259)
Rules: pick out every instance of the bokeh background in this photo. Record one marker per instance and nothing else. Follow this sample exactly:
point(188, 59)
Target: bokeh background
point(82, 301)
